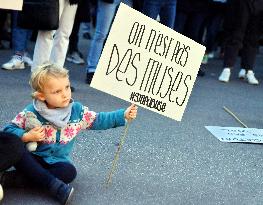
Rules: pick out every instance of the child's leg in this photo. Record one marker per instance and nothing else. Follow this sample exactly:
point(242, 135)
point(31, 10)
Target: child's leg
point(40, 176)
point(34, 171)
point(61, 170)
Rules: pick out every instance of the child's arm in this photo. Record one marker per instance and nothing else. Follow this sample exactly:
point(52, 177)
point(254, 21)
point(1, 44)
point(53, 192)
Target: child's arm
point(107, 120)
point(17, 127)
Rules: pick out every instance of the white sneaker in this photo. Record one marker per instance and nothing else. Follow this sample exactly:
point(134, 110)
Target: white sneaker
point(1, 193)
point(28, 61)
point(242, 74)
point(16, 62)
point(251, 79)
point(211, 55)
point(225, 75)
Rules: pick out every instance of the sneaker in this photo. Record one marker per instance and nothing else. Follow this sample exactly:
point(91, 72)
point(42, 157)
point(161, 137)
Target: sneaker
point(16, 62)
point(201, 72)
point(251, 79)
point(1, 188)
point(75, 57)
point(242, 74)
point(61, 191)
point(28, 61)
point(211, 55)
point(225, 75)
point(1, 193)
point(89, 78)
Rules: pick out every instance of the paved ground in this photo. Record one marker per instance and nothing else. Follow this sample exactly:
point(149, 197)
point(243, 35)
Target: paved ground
point(162, 161)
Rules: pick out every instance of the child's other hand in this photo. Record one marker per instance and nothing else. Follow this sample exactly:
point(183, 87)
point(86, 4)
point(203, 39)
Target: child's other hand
point(131, 112)
point(34, 135)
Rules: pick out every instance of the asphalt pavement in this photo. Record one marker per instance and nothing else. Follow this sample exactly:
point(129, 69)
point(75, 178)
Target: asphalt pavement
point(162, 161)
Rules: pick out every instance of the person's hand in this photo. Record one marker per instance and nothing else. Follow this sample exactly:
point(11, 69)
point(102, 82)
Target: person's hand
point(36, 134)
point(131, 112)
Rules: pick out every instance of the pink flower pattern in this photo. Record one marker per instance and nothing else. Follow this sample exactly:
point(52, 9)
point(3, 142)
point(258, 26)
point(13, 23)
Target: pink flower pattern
point(88, 118)
point(20, 120)
point(69, 132)
point(19, 117)
point(78, 129)
point(50, 135)
point(48, 132)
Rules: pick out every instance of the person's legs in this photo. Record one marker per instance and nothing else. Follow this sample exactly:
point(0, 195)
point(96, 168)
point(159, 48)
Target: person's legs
point(52, 45)
point(105, 15)
point(152, 8)
point(74, 37)
point(37, 174)
point(168, 13)
point(236, 20)
point(11, 151)
point(61, 170)
point(180, 21)
point(43, 48)
point(19, 41)
point(249, 50)
point(3, 15)
point(73, 54)
point(61, 37)
point(250, 43)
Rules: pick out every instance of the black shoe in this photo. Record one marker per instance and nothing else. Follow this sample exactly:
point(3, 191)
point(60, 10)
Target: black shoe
point(61, 191)
point(201, 73)
point(89, 78)
point(72, 89)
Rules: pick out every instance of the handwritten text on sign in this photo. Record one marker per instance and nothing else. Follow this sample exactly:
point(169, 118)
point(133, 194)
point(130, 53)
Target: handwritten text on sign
point(148, 63)
point(11, 4)
point(237, 134)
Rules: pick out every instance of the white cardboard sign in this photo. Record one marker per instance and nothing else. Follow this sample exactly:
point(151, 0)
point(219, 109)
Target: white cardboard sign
point(237, 134)
point(11, 4)
point(148, 63)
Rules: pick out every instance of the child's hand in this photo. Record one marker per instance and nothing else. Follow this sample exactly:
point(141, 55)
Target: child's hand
point(34, 135)
point(131, 112)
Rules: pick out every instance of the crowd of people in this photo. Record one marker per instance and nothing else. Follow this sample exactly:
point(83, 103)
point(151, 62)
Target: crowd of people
point(232, 26)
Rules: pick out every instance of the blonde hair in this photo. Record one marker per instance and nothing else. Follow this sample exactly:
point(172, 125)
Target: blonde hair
point(42, 73)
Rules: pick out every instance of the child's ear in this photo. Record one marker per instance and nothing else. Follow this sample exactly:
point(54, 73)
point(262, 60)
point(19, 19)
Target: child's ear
point(40, 96)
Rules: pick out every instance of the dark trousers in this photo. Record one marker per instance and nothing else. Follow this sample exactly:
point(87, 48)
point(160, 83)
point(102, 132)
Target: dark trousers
point(242, 31)
point(190, 24)
point(3, 15)
point(74, 37)
point(41, 173)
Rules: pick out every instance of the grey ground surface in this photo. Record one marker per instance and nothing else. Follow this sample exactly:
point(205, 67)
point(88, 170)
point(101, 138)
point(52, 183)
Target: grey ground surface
point(162, 161)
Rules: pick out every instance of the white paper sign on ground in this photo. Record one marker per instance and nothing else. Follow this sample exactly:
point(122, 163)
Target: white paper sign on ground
point(237, 134)
point(148, 63)
point(11, 4)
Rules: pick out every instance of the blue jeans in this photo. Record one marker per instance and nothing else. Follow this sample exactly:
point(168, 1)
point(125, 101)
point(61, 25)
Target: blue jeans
point(19, 36)
point(105, 15)
point(165, 8)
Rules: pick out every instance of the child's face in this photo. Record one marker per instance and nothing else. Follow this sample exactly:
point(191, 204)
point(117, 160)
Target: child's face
point(56, 92)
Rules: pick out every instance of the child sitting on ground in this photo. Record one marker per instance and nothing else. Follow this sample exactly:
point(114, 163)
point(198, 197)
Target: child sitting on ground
point(50, 166)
